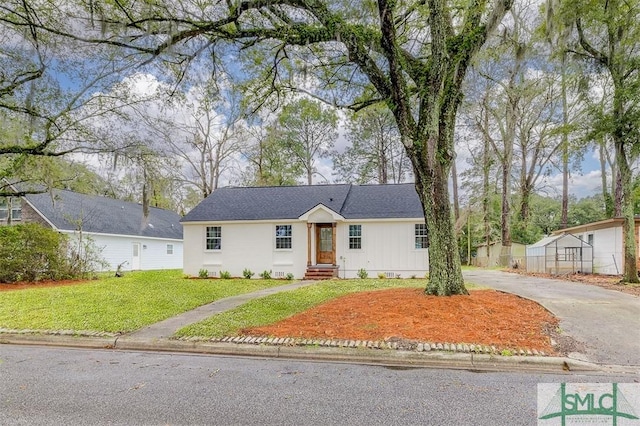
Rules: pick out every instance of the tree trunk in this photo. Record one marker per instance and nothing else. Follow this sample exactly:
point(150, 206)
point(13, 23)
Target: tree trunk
point(507, 161)
point(629, 228)
point(456, 199)
point(565, 147)
point(606, 195)
point(505, 252)
point(525, 210)
point(621, 137)
point(486, 191)
point(618, 194)
point(445, 272)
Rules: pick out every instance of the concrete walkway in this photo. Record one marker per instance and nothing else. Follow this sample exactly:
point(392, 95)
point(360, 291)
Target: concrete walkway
point(606, 321)
point(168, 327)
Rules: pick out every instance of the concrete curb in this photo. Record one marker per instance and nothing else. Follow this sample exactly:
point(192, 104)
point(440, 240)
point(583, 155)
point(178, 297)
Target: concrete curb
point(387, 357)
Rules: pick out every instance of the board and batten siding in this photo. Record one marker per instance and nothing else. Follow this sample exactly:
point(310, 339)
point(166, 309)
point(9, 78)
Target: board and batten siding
point(117, 249)
point(388, 247)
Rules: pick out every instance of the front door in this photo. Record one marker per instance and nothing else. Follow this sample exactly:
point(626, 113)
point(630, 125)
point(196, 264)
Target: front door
point(324, 243)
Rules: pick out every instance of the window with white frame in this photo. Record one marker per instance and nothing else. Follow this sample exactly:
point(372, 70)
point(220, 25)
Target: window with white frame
point(283, 237)
point(169, 248)
point(214, 237)
point(10, 204)
point(355, 237)
point(421, 238)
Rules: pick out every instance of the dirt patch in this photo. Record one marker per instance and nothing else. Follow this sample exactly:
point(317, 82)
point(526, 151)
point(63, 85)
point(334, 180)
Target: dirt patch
point(610, 282)
point(485, 317)
point(38, 284)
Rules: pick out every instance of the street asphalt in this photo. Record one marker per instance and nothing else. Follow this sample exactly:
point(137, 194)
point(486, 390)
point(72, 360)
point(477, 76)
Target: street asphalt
point(606, 322)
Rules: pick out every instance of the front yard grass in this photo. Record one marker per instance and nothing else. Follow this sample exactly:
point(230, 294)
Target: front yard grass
point(276, 307)
point(116, 305)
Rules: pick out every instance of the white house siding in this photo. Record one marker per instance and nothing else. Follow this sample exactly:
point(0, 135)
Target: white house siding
point(608, 257)
point(388, 247)
point(116, 250)
point(249, 245)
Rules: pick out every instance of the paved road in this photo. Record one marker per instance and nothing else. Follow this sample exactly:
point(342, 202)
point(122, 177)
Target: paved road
point(606, 321)
point(44, 386)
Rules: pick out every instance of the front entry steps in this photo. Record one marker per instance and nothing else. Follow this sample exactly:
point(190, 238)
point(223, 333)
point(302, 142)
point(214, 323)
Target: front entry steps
point(321, 272)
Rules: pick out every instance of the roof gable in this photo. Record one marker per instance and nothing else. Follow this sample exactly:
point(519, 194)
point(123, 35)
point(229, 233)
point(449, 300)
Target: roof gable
point(71, 211)
point(293, 202)
point(320, 211)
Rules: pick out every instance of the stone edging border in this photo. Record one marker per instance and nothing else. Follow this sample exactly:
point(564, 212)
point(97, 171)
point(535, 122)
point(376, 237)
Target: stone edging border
point(393, 344)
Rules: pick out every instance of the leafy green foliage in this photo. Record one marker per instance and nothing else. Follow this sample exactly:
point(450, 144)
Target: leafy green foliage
point(375, 153)
point(270, 163)
point(203, 273)
point(247, 273)
point(225, 275)
point(265, 275)
point(115, 304)
point(31, 252)
point(362, 273)
point(309, 131)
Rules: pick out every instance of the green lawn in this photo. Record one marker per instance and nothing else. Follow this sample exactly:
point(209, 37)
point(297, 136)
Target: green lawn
point(273, 308)
point(116, 304)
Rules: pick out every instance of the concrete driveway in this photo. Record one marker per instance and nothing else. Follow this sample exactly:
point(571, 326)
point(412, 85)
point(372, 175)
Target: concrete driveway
point(607, 322)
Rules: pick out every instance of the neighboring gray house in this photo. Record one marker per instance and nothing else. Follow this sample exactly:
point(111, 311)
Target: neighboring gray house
point(117, 228)
point(312, 231)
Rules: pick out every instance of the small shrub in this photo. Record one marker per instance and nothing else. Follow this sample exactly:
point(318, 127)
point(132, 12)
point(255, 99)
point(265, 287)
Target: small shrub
point(506, 352)
point(362, 273)
point(225, 275)
point(413, 277)
point(203, 273)
point(247, 273)
point(381, 275)
point(398, 276)
point(265, 275)
point(290, 276)
point(31, 252)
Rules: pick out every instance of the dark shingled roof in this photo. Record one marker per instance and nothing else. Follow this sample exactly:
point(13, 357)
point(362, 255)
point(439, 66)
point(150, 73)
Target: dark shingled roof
point(67, 209)
point(291, 202)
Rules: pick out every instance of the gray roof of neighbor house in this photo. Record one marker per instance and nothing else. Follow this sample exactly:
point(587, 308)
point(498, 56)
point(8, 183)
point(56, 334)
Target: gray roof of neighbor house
point(291, 202)
point(68, 210)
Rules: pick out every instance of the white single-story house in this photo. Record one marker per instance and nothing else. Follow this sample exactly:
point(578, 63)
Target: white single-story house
point(330, 230)
point(118, 229)
point(560, 254)
point(606, 238)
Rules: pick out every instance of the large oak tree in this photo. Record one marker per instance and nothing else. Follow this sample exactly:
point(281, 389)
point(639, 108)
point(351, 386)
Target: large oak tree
point(411, 56)
point(607, 34)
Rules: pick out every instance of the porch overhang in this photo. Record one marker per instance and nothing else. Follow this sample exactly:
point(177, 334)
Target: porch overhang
point(321, 214)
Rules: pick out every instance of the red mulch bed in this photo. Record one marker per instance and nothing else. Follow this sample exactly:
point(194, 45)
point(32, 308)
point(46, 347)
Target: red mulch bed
point(38, 284)
point(484, 317)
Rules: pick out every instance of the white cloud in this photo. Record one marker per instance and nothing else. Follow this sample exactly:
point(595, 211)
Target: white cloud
point(580, 185)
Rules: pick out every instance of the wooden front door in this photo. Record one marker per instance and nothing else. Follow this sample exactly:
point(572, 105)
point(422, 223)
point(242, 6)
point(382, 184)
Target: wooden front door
point(324, 243)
